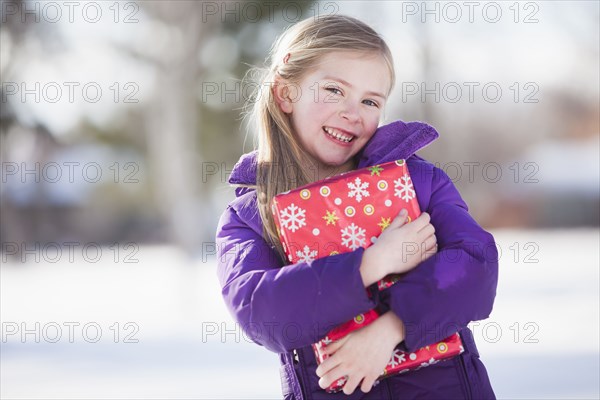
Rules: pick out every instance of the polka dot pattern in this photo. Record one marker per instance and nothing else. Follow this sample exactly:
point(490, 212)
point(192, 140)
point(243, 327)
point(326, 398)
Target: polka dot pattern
point(305, 194)
point(347, 212)
point(325, 191)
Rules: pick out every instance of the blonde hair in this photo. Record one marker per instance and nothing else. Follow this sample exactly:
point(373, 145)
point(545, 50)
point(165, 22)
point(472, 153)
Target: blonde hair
point(279, 152)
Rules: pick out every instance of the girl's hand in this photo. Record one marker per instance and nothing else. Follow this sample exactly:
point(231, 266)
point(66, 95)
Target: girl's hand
point(362, 355)
point(400, 248)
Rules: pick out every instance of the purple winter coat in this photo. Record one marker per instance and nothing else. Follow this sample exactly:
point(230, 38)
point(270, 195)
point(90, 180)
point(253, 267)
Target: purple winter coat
point(287, 308)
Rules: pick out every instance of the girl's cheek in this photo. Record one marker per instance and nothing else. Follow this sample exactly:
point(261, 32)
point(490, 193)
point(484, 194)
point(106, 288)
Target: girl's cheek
point(373, 124)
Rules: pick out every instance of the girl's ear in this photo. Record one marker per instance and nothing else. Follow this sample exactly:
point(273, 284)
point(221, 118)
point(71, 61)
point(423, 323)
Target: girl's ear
point(282, 93)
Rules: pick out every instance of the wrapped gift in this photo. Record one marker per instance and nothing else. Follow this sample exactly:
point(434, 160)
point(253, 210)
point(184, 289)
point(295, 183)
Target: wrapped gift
point(344, 212)
point(340, 214)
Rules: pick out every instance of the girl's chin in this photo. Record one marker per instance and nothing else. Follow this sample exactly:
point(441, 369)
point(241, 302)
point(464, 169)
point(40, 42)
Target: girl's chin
point(342, 164)
point(336, 156)
point(334, 163)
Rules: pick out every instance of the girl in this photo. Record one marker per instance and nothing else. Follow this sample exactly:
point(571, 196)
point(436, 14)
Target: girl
point(317, 113)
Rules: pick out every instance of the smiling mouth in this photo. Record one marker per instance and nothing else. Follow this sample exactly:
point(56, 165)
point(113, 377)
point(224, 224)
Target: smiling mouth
point(336, 134)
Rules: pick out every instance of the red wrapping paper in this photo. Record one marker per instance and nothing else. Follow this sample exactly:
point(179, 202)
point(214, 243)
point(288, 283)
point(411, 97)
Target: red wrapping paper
point(340, 214)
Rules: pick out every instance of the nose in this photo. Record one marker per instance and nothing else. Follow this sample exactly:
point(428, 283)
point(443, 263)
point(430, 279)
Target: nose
point(350, 112)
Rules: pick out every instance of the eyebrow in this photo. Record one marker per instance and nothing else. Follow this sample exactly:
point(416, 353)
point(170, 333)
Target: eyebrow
point(340, 80)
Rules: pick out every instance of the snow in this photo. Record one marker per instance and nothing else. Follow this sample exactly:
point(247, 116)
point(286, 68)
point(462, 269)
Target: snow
point(554, 177)
point(541, 341)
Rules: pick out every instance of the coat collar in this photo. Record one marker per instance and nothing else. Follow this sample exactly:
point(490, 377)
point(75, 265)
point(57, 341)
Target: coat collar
point(398, 140)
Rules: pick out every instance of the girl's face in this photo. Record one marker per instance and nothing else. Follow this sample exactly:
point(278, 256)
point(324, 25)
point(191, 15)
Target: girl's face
point(335, 108)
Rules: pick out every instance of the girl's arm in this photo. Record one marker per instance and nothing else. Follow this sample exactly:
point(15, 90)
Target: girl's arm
point(285, 308)
point(454, 287)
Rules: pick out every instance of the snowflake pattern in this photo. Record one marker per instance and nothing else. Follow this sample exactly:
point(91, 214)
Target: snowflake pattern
point(428, 363)
point(358, 189)
point(403, 188)
point(306, 255)
point(397, 358)
point(293, 217)
point(341, 382)
point(322, 217)
point(353, 236)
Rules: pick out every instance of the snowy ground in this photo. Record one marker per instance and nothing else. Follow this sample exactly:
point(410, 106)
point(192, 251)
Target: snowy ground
point(542, 340)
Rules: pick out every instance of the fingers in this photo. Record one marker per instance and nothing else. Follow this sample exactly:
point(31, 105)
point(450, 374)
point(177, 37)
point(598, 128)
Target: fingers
point(427, 231)
point(332, 376)
point(431, 248)
point(334, 346)
point(327, 365)
point(367, 384)
point(421, 222)
point(351, 384)
point(418, 224)
point(400, 219)
point(430, 242)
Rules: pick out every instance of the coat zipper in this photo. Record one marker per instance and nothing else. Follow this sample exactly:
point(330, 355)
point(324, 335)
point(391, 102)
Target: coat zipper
point(465, 377)
point(301, 377)
point(389, 388)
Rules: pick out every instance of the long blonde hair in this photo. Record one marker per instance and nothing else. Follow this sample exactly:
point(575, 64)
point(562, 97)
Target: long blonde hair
point(279, 151)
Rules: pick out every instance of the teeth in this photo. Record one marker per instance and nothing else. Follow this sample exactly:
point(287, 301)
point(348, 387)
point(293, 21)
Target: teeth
point(338, 135)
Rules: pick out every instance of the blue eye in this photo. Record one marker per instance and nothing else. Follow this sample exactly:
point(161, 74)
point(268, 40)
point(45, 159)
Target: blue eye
point(334, 90)
point(372, 103)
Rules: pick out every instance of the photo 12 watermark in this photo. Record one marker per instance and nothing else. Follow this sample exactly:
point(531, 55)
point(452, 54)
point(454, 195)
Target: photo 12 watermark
point(71, 91)
point(488, 172)
point(236, 92)
point(516, 332)
point(468, 252)
point(70, 172)
point(452, 12)
point(471, 92)
point(488, 331)
point(70, 252)
point(69, 332)
point(254, 11)
point(52, 12)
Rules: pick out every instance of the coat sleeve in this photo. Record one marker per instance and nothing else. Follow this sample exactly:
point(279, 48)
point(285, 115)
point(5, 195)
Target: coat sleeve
point(457, 285)
point(285, 307)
